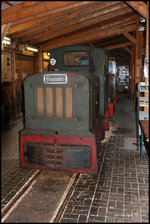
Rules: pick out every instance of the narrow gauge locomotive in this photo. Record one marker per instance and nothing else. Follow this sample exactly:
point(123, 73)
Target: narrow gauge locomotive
point(63, 111)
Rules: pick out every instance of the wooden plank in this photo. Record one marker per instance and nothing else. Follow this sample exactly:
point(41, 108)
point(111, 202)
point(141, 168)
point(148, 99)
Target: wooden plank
point(77, 27)
point(10, 14)
point(37, 9)
point(77, 24)
point(17, 8)
point(129, 37)
point(110, 42)
point(139, 6)
point(83, 38)
point(127, 50)
point(81, 21)
point(4, 30)
point(68, 17)
point(36, 21)
point(117, 46)
point(8, 3)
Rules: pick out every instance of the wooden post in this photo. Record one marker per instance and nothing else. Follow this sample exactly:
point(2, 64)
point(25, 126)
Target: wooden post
point(146, 94)
point(138, 60)
point(147, 31)
point(39, 62)
point(133, 72)
point(13, 68)
point(4, 30)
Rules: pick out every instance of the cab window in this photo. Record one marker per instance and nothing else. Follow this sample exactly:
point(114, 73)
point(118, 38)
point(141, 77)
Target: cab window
point(80, 58)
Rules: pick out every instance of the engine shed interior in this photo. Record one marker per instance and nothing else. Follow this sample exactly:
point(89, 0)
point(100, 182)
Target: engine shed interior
point(64, 67)
point(121, 28)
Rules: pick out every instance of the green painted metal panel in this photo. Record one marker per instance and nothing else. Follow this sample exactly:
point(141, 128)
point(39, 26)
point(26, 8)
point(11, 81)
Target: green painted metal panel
point(99, 69)
point(80, 84)
point(58, 54)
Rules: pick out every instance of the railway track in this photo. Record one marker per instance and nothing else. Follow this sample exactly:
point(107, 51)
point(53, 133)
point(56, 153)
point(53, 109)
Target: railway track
point(10, 214)
point(18, 197)
point(64, 200)
point(55, 212)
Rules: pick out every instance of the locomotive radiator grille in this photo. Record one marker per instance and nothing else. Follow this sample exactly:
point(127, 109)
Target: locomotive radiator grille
point(49, 102)
point(40, 101)
point(58, 102)
point(68, 102)
point(58, 156)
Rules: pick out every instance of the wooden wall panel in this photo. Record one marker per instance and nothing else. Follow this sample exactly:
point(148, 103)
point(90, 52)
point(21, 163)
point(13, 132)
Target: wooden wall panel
point(46, 66)
point(5, 67)
point(24, 64)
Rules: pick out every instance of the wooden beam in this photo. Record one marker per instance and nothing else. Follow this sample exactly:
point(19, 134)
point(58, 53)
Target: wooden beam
point(36, 21)
point(84, 37)
point(53, 13)
point(117, 46)
point(17, 8)
point(8, 3)
point(39, 62)
point(138, 6)
point(67, 17)
point(129, 37)
point(75, 26)
point(110, 42)
point(127, 50)
point(4, 30)
point(37, 9)
point(83, 24)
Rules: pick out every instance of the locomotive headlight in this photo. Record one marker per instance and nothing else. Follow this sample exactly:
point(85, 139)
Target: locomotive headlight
point(52, 61)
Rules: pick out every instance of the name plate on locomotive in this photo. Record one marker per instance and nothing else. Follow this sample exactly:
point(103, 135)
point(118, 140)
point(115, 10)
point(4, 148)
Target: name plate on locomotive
point(55, 78)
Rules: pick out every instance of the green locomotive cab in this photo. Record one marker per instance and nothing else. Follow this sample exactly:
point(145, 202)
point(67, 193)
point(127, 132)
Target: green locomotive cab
point(63, 112)
point(62, 122)
point(83, 59)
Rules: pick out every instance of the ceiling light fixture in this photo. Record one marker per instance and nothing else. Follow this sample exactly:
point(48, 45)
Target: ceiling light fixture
point(31, 48)
point(6, 40)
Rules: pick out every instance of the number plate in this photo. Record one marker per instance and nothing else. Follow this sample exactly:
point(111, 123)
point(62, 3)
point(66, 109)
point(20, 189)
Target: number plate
point(55, 78)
